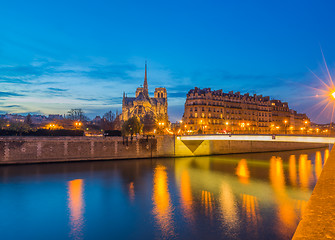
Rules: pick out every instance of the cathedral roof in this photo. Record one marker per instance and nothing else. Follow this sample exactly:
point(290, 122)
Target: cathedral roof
point(142, 97)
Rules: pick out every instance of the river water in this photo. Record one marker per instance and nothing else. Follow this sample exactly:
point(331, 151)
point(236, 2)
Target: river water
point(241, 196)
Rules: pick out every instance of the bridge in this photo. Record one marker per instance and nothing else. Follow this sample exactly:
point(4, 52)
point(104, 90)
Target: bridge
point(318, 220)
point(200, 145)
point(265, 138)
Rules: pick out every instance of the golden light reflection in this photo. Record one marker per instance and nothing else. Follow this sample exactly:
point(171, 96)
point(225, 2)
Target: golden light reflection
point(228, 208)
point(301, 205)
point(76, 207)
point(304, 171)
point(318, 164)
point(293, 170)
point(186, 196)
point(242, 171)
point(286, 212)
point(326, 156)
point(251, 211)
point(162, 210)
point(131, 191)
point(207, 201)
point(277, 173)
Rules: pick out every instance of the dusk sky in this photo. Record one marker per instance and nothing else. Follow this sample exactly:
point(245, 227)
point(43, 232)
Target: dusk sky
point(58, 55)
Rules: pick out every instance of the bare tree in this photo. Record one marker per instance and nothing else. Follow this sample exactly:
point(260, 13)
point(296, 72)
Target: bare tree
point(77, 114)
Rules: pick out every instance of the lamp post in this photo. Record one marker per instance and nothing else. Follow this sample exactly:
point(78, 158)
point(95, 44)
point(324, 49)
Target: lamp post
point(306, 122)
point(285, 122)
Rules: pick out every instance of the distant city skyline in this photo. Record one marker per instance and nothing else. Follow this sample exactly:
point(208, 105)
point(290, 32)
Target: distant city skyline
point(81, 54)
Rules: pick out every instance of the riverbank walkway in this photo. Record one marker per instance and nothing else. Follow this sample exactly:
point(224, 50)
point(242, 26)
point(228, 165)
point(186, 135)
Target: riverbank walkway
point(318, 220)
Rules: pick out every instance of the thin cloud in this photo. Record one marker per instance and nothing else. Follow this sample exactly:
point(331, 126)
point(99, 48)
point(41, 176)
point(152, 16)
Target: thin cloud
point(9, 94)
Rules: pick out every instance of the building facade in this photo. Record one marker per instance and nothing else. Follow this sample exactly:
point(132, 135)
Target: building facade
point(143, 104)
point(208, 111)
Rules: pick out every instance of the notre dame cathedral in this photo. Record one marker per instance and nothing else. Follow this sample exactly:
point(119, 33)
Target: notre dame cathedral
point(143, 104)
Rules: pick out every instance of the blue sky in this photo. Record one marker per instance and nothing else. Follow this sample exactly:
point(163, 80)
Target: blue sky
point(58, 55)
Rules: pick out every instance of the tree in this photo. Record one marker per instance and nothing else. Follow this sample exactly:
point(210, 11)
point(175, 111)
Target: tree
point(19, 127)
point(109, 116)
point(132, 126)
point(28, 120)
point(107, 121)
point(77, 114)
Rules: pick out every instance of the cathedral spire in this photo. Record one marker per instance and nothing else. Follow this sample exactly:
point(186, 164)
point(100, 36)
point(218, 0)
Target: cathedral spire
point(145, 85)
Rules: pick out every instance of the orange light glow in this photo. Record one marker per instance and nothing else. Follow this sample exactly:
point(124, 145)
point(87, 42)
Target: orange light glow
point(228, 207)
point(304, 171)
point(326, 156)
point(242, 171)
point(76, 206)
point(250, 210)
point(293, 170)
point(318, 164)
point(161, 200)
point(286, 212)
point(207, 201)
point(186, 195)
point(131, 191)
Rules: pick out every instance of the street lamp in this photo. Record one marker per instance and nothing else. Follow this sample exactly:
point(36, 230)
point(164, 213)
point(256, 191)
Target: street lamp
point(306, 122)
point(285, 126)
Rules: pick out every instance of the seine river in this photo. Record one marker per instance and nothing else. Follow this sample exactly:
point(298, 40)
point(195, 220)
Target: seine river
point(245, 196)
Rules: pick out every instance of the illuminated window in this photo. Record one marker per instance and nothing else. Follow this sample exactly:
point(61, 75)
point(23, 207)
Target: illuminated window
point(202, 115)
point(196, 115)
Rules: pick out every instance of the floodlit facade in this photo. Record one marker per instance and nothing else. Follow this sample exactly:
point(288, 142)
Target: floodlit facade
point(208, 111)
point(143, 104)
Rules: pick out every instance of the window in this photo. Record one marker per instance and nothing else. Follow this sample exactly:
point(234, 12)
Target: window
point(196, 115)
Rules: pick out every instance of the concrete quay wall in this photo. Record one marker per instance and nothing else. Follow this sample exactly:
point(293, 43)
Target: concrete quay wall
point(15, 150)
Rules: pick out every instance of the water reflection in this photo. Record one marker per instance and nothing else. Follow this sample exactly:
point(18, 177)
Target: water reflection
point(76, 207)
point(285, 208)
point(251, 213)
point(304, 171)
point(242, 171)
point(131, 192)
point(326, 155)
point(229, 208)
point(293, 170)
point(186, 196)
point(240, 196)
point(162, 210)
point(318, 164)
point(207, 202)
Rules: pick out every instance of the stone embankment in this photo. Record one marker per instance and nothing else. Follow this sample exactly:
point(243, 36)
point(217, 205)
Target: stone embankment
point(15, 150)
